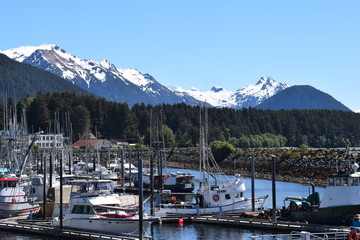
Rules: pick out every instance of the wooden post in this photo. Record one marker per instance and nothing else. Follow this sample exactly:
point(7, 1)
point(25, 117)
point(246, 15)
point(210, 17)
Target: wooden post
point(273, 189)
point(252, 183)
point(152, 210)
point(141, 203)
point(61, 193)
point(44, 185)
point(122, 169)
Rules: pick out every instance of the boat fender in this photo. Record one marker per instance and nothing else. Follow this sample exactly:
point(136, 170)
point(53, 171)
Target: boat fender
point(353, 235)
point(294, 207)
point(216, 197)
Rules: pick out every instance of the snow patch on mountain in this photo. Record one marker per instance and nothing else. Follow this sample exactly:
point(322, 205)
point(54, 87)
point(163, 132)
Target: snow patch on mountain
point(217, 96)
point(248, 96)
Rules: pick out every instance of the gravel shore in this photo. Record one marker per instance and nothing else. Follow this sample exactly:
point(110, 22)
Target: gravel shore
point(292, 165)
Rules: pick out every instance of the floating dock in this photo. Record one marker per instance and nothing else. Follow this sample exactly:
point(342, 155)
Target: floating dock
point(44, 228)
point(256, 223)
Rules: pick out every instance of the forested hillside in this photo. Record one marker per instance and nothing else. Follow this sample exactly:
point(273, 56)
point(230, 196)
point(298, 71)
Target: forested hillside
point(243, 128)
point(302, 97)
point(19, 80)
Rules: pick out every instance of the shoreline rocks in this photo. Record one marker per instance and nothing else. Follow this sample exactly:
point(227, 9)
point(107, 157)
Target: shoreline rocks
point(292, 165)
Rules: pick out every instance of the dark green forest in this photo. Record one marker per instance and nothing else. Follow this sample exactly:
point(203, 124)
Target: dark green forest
point(242, 128)
point(19, 80)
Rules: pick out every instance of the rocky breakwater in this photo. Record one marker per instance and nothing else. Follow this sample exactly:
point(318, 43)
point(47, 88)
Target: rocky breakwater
point(292, 164)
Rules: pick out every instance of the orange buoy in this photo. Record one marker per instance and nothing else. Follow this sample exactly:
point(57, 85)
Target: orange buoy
point(181, 222)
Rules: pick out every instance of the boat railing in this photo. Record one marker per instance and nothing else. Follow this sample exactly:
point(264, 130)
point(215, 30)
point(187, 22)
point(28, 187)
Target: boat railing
point(303, 235)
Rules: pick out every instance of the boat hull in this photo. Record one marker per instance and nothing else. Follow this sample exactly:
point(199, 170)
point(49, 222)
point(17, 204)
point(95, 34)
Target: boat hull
point(8, 210)
point(238, 207)
point(340, 215)
point(107, 225)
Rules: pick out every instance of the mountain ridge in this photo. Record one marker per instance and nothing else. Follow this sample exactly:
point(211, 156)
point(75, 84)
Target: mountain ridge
point(19, 80)
point(104, 79)
point(100, 78)
point(302, 97)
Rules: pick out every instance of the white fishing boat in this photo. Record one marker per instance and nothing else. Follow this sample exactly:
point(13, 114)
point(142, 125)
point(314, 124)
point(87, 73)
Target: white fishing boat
point(96, 208)
point(217, 194)
point(13, 199)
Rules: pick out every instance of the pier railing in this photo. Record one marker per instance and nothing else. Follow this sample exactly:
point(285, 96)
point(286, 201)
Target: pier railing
point(304, 236)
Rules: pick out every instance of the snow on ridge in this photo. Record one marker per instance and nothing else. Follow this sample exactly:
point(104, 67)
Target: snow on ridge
point(21, 53)
point(135, 77)
point(219, 97)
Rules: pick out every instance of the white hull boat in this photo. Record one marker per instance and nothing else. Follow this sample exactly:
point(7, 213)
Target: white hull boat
point(13, 200)
point(96, 208)
point(216, 194)
point(226, 199)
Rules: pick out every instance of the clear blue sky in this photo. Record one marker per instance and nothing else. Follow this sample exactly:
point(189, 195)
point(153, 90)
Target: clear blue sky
point(196, 43)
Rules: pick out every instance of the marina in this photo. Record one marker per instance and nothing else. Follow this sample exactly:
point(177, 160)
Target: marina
point(233, 226)
point(86, 196)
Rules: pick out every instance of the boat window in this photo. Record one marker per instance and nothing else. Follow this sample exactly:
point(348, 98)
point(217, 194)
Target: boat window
point(331, 181)
point(77, 209)
point(227, 196)
point(11, 183)
point(36, 181)
point(337, 181)
point(355, 182)
point(345, 181)
point(81, 209)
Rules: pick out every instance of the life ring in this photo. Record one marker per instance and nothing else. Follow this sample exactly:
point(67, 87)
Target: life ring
point(294, 207)
point(353, 235)
point(216, 197)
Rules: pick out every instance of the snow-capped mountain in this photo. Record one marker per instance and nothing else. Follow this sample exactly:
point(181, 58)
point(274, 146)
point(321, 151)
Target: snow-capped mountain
point(131, 86)
point(101, 78)
point(248, 96)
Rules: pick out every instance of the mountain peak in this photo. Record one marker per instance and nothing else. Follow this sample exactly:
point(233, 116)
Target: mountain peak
point(302, 97)
point(23, 52)
point(266, 81)
point(216, 89)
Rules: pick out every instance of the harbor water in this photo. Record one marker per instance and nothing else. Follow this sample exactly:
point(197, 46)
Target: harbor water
point(195, 231)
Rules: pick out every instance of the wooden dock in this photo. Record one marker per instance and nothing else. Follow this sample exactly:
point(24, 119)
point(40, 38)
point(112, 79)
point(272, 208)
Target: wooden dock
point(256, 223)
point(46, 229)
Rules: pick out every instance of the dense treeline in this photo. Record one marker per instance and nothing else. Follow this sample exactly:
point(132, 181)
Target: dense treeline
point(243, 128)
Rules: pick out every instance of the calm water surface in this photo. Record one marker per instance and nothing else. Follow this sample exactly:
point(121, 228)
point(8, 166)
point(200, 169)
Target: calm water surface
point(170, 231)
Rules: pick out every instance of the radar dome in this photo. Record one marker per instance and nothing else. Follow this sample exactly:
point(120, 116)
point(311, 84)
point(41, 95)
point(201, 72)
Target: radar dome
point(355, 167)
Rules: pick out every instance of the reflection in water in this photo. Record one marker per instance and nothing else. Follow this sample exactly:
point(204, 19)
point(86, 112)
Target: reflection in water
point(197, 231)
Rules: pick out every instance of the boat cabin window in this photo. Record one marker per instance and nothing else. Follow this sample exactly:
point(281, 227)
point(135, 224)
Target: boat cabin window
point(344, 181)
point(98, 186)
point(11, 183)
point(337, 181)
point(82, 209)
point(354, 181)
point(36, 181)
point(227, 196)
